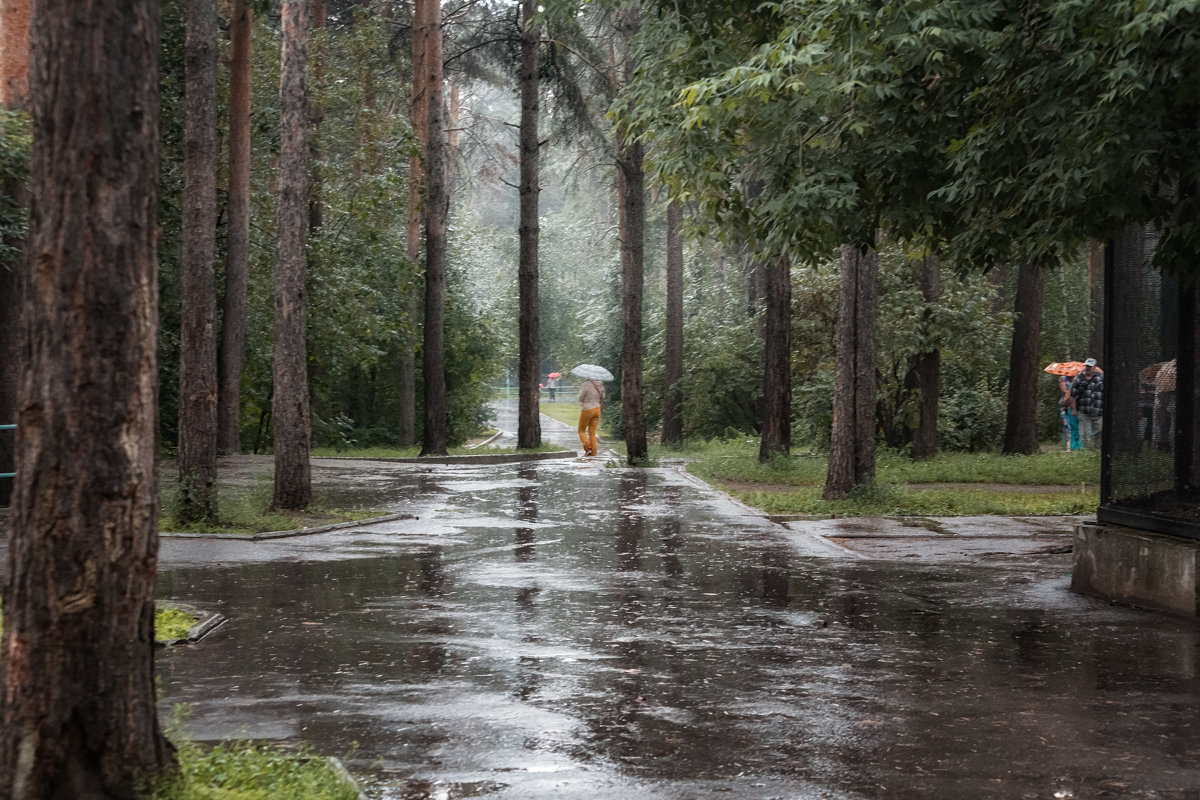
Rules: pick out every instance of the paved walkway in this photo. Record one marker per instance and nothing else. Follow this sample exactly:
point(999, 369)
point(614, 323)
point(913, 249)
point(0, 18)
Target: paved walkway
point(566, 629)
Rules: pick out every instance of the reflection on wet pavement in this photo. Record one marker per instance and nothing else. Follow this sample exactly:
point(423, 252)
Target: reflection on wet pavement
point(564, 630)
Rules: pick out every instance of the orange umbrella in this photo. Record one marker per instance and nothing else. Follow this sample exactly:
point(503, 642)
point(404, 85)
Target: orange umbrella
point(1068, 368)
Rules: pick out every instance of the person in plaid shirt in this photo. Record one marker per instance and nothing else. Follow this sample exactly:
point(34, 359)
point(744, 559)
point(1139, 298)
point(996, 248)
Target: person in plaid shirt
point(1087, 396)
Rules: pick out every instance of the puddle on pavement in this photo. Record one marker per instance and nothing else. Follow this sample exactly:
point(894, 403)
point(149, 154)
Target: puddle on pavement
point(614, 633)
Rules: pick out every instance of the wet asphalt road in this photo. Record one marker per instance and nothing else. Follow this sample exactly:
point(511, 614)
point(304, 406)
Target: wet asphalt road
point(568, 629)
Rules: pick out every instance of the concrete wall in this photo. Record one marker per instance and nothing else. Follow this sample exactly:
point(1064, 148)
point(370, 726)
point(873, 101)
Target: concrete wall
point(1137, 568)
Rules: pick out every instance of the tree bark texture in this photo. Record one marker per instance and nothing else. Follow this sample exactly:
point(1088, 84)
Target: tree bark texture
point(927, 366)
point(437, 212)
point(14, 94)
point(1020, 427)
point(672, 404)
point(198, 336)
point(632, 225)
point(407, 424)
point(777, 353)
point(631, 217)
point(14, 53)
point(290, 404)
point(231, 356)
point(852, 446)
point(529, 426)
point(11, 305)
point(78, 708)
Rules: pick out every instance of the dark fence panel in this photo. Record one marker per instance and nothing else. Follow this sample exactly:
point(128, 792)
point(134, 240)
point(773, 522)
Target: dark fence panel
point(1148, 475)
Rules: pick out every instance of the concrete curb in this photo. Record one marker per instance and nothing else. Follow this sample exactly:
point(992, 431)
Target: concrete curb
point(483, 458)
point(259, 537)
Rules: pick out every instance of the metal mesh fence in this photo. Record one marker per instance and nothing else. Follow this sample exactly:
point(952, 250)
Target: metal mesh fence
point(1148, 478)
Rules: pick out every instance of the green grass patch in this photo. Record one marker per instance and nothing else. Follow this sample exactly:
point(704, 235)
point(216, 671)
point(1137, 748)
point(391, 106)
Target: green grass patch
point(239, 770)
point(1048, 483)
point(567, 413)
point(903, 501)
point(169, 623)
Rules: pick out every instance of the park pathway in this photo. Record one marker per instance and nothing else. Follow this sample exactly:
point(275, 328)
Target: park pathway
point(567, 629)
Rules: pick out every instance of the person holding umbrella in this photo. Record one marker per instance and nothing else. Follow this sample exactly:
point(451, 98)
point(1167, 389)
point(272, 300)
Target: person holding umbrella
point(1066, 371)
point(1087, 393)
point(591, 397)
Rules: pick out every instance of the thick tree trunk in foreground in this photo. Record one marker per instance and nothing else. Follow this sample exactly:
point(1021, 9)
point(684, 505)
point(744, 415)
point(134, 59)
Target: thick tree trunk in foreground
point(852, 447)
point(777, 366)
point(529, 426)
point(198, 336)
point(79, 714)
point(672, 410)
point(290, 404)
point(437, 212)
point(927, 366)
point(231, 356)
point(1020, 428)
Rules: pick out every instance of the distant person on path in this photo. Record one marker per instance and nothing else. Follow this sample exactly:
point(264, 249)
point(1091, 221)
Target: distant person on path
point(552, 386)
point(1087, 396)
point(1069, 420)
point(591, 396)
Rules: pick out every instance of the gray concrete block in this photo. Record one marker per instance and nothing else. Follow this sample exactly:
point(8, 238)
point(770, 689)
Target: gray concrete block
point(1137, 568)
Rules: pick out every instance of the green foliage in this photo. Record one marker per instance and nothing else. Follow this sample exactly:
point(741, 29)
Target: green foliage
point(14, 172)
point(171, 622)
point(239, 770)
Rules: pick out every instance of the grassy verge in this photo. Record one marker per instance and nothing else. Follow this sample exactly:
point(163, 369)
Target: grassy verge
point(248, 511)
point(246, 771)
point(953, 484)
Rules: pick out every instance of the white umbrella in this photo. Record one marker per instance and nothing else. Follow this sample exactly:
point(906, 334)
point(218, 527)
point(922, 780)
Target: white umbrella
point(591, 371)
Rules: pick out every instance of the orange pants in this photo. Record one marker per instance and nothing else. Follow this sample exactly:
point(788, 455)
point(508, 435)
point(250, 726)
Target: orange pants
point(589, 421)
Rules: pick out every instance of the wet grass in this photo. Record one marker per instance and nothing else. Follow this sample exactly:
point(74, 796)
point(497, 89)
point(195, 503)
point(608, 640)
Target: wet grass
point(239, 770)
point(169, 623)
point(247, 510)
point(1047, 483)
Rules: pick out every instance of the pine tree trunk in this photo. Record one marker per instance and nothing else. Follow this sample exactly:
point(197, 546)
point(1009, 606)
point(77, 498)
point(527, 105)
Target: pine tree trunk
point(672, 413)
point(777, 352)
point(529, 426)
point(852, 445)
point(231, 356)
point(927, 366)
point(79, 712)
point(1020, 428)
point(631, 216)
point(632, 223)
point(198, 335)
point(407, 423)
point(290, 404)
point(14, 53)
point(14, 94)
point(437, 211)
